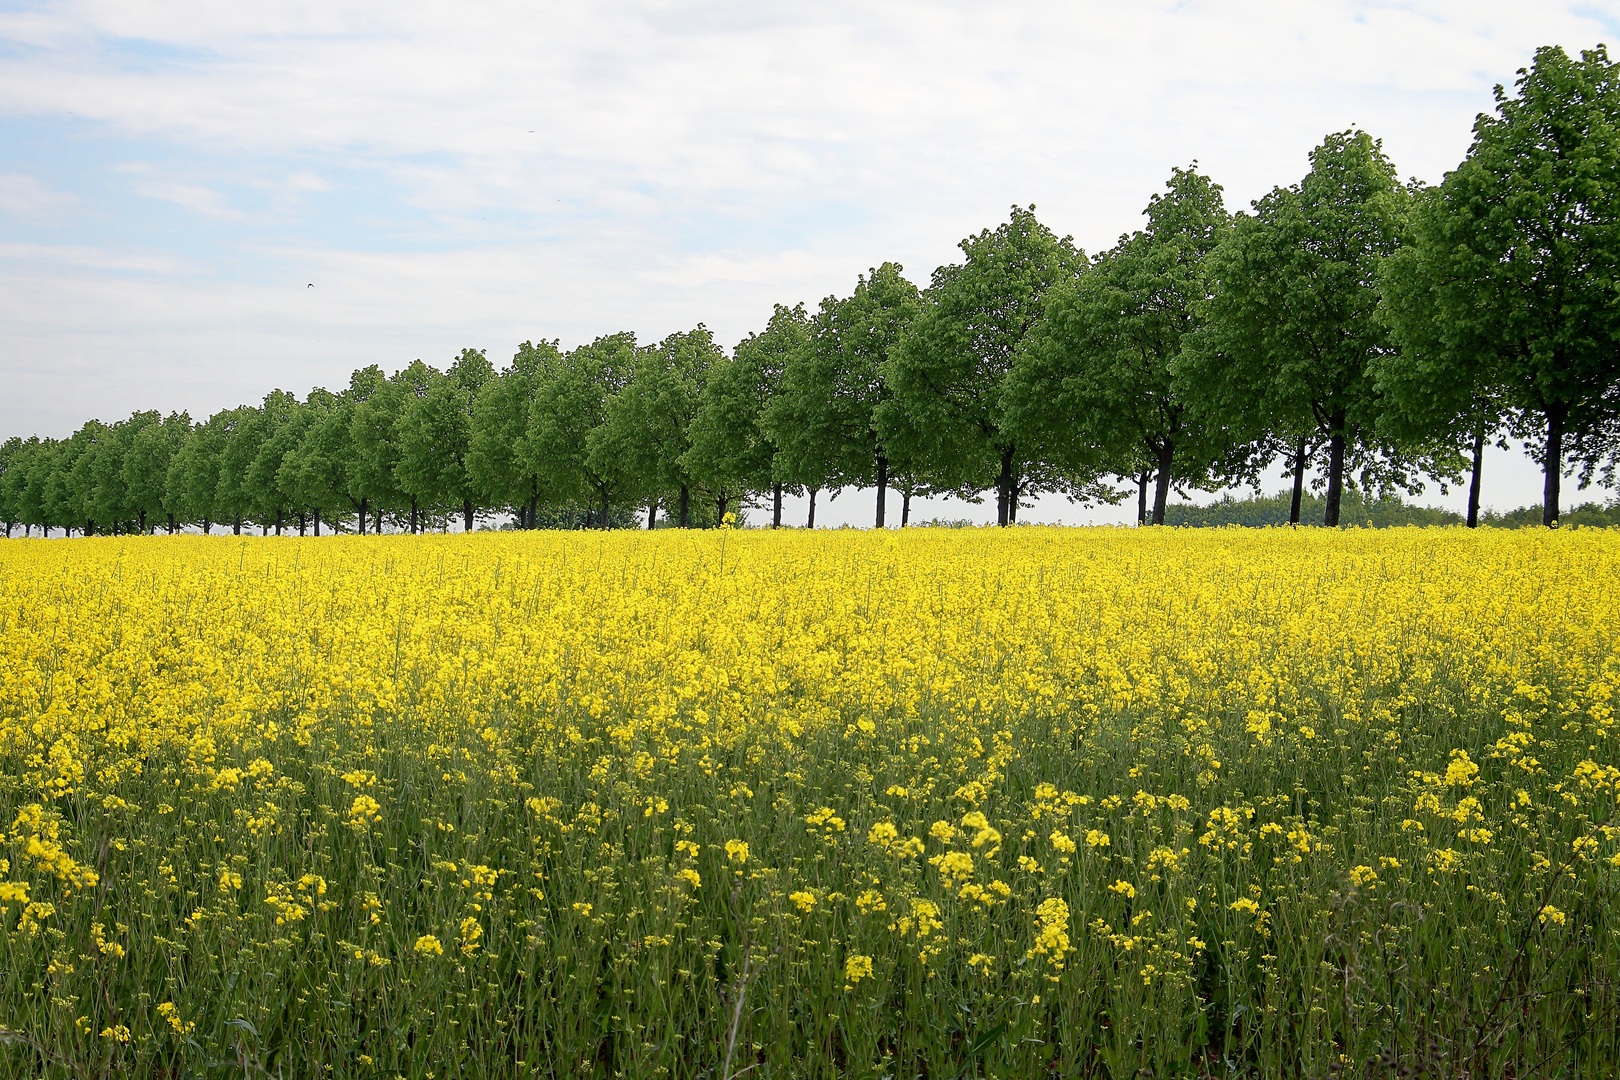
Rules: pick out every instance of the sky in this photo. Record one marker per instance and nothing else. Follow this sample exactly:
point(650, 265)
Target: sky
point(201, 202)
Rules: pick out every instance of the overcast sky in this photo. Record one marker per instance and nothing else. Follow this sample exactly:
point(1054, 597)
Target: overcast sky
point(176, 175)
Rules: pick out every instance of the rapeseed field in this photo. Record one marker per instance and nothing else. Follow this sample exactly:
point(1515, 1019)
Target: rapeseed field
point(939, 803)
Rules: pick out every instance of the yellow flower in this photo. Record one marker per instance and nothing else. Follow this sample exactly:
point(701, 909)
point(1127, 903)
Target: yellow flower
point(428, 945)
point(365, 812)
point(857, 968)
point(805, 900)
point(737, 851)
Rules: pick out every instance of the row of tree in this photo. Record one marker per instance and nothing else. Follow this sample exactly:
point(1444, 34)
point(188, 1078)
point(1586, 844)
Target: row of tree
point(1366, 331)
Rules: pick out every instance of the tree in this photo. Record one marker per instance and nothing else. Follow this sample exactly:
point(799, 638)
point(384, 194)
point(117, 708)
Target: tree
point(646, 428)
point(734, 433)
point(947, 372)
point(373, 468)
point(833, 385)
point(1432, 393)
point(1507, 296)
point(435, 434)
point(13, 455)
point(146, 469)
point(314, 473)
point(1104, 355)
point(193, 483)
point(573, 464)
point(497, 458)
point(1289, 326)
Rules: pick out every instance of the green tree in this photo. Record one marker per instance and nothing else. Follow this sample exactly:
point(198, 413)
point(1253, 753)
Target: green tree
point(733, 440)
point(947, 372)
point(1507, 296)
point(374, 466)
point(1290, 323)
point(146, 469)
point(193, 484)
point(278, 428)
point(314, 472)
point(832, 389)
point(435, 434)
point(1104, 355)
point(497, 457)
point(575, 466)
point(646, 428)
point(13, 457)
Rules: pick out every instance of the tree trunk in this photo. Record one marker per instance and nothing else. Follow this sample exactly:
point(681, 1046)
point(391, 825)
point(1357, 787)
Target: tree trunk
point(882, 486)
point(905, 508)
point(1166, 454)
point(1335, 491)
point(652, 515)
point(721, 501)
point(812, 522)
point(1299, 481)
point(1553, 464)
point(1015, 490)
point(534, 501)
point(143, 522)
point(604, 510)
point(466, 515)
point(171, 525)
point(317, 521)
point(414, 520)
point(1141, 499)
point(1004, 489)
point(278, 522)
point(236, 528)
point(686, 507)
point(1473, 482)
point(206, 523)
point(363, 501)
point(776, 510)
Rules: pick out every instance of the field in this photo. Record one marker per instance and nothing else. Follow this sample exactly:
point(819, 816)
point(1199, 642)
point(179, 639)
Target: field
point(943, 803)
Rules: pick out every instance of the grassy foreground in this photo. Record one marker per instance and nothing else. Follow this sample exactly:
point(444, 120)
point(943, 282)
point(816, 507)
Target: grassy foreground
point(943, 803)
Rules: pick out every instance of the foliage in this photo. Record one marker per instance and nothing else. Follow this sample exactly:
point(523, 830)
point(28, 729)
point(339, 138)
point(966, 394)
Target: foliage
point(1289, 323)
point(947, 373)
point(1509, 290)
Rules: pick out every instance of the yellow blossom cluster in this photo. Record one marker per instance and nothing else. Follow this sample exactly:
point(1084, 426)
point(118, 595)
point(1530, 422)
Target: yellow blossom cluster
point(1018, 802)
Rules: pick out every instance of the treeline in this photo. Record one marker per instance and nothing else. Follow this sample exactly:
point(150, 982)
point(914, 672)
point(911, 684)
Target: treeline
point(1368, 333)
point(1364, 511)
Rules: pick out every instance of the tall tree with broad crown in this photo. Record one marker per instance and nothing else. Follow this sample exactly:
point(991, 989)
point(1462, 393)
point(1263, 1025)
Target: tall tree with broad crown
point(1289, 323)
point(435, 434)
point(733, 441)
point(1104, 355)
point(646, 428)
point(1507, 296)
point(947, 372)
point(496, 458)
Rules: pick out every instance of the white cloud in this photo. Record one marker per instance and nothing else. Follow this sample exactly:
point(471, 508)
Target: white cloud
point(25, 197)
point(688, 161)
